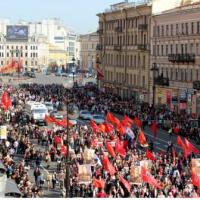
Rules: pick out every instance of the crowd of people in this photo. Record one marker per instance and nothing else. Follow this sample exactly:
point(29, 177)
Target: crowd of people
point(20, 153)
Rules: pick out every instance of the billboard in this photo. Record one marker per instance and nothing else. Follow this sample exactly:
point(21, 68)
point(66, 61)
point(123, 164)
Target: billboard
point(160, 6)
point(17, 33)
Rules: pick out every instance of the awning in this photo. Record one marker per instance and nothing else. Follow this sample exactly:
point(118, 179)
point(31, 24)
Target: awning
point(12, 189)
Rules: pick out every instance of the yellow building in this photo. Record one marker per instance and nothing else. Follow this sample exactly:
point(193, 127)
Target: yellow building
point(57, 56)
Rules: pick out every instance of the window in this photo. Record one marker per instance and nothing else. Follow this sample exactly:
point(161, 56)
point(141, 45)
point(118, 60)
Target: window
point(26, 54)
point(166, 49)
point(186, 28)
point(171, 49)
point(197, 27)
point(192, 27)
point(7, 54)
point(182, 48)
point(162, 30)
point(158, 49)
point(143, 61)
point(162, 50)
point(167, 30)
point(26, 47)
point(186, 51)
point(143, 81)
point(172, 29)
point(158, 31)
point(182, 28)
point(176, 48)
point(7, 47)
point(1, 62)
point(177, 31)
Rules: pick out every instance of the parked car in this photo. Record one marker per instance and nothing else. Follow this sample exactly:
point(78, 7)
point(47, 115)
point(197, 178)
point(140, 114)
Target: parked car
point(85, 114)
point(49, 106)
point(98, 118)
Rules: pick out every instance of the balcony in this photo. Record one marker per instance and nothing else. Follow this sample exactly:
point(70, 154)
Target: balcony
point(117, 47)
point(99, 47)
point(118, 29)
point(196, 85)
point(142, 27)
point(100, 31)
point(160, 80)
point(142, 47)
point(181, 58)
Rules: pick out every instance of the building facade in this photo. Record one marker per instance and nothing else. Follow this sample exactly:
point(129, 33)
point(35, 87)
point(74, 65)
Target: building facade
point(124, 49)
point(88, 53)
point(175, 51)
point(47, 37)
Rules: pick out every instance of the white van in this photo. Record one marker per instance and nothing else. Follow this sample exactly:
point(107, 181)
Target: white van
point(36, 111)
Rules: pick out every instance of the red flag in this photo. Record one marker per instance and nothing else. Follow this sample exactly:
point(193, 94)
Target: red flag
point(99, 183)
point(154, 128)
point(108, 166)
point(148, 178)
point(119, 148)
point(63, 123)
point(49, 120)
point(137, 122)
point(125, 183)
point(94, 127)
point(129, 120)
point(126, 123)
point(110, 149)
point(102, 128)
point(5, 100)
point(121, 129)
point(57, 140)
point(149, 155)
point(100, 74)
point(176, 130)
point(191, 147)
point(180, 142)
point(109, 127)
point(110, 117)
point(141, 138)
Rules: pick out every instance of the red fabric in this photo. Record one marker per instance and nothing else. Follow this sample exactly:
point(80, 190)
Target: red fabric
point(129, 120)
point(176, 130)
point(195, 180)
point(99, 183)
point(64, 150)
point(191, 147)
point(121, 129)
point(154, 128)
point(137, 122)
point(126, 123)
point(102, 128)
point(149, 155)
point(147, 178)
point(48, 119)
point(100, 74)
point(110, 149)
point(110, 117)
point(119, 148)
point(109, 127)
point(62, 123)
point(101, 195)
point(57, 140)
point(125, 183)
point(94, 127)
point(108, 166)
point(180, 142)
point(141, 138)
point(5, 101)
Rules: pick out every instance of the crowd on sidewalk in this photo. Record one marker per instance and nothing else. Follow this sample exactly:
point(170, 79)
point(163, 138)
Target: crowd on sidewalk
point(114, 154)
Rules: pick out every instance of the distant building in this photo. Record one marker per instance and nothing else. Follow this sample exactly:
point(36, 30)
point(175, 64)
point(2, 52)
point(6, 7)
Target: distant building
point(47, 42)
point(88, 53)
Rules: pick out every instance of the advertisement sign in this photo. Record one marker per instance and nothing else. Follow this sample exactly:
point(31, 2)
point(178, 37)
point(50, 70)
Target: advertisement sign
point(3, 132)
point(14, 33)
point(135, 171)
point(84, 174)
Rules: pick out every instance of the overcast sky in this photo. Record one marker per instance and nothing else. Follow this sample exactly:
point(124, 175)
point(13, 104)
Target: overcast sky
point(77, 14)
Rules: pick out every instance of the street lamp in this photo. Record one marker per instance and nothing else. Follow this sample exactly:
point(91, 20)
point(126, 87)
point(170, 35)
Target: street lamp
point(73, 69)
point(154, 69)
